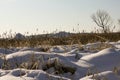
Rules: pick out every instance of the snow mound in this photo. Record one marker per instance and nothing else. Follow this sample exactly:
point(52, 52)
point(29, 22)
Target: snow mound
point(107, 75)
point(58, 49)
point(103, 59)
point(26, 57)
point(27, 54)
point(19, 36)
point(23, 74)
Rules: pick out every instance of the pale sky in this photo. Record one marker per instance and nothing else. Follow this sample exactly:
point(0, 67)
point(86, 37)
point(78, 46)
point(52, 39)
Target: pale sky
point(48, 15)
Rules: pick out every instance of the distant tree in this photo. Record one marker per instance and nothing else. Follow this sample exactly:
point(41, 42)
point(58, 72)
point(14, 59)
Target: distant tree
point(119, 21)
point(103, 20)
point(119, 24)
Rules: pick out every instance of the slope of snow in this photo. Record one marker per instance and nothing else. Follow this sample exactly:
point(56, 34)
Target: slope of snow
point(26, 56)
point(23, 74)
point(107, 75)
point(103, 60)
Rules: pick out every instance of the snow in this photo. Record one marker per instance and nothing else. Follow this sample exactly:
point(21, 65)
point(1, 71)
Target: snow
point(75, 62)
point(106, 75)
point(59, 49)
point(5, 51)
point(23, 74)
point(102, 59)
point(19, 36)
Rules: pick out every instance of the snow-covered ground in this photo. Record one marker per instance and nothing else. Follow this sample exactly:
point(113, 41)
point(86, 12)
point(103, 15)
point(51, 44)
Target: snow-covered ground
point(68, 62)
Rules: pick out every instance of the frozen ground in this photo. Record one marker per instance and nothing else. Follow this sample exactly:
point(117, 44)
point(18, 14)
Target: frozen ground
point(70, 62)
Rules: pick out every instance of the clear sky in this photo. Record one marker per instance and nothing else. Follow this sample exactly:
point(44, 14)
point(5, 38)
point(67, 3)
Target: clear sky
point(49, 15)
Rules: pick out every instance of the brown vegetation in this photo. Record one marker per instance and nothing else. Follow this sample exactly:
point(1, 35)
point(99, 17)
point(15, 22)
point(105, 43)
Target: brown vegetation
point(77, 38)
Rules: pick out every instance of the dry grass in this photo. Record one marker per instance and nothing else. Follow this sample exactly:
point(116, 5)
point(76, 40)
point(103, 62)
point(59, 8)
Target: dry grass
point(78, 38)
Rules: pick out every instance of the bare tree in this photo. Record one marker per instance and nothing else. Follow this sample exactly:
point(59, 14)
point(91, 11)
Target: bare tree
point(119, 24)
point(103, 20)
point(119, 21)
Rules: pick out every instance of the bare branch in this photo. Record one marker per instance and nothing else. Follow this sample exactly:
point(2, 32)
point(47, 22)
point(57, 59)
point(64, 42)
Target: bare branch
point(102, 19)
